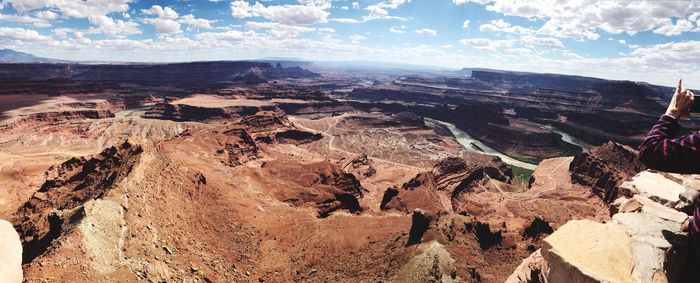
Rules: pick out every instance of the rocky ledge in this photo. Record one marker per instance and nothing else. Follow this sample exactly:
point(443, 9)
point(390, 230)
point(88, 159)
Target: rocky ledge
point(643, 242)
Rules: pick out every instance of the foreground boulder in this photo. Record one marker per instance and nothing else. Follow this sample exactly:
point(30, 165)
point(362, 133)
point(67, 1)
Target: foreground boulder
point(587, 251)
point(10, 254)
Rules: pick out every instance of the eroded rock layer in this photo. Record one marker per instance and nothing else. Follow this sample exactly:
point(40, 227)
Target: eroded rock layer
point(57, 205)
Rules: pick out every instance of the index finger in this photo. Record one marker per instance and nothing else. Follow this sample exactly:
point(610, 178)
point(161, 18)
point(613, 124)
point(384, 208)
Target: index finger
point(680, 85)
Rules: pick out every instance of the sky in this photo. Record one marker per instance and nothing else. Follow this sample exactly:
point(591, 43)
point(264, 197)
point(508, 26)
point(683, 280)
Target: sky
point(652, 41)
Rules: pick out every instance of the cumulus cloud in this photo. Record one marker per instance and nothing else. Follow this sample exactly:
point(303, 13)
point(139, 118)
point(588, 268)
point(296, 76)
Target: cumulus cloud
point(377, 11)
point(486, 43)
point(109, 26)
point(584, 18)
point(671, 29)
point(191, 20)
point(279, 30)
point(547, 42)
point(356, 38)
point(465, 24)
point(21, 34)
point(46, 15)
point(73, 9)
point(426, 32)
point(25, 19)
point(165, 21)
point(307, 14)
point(502, 26)
point(399, 29)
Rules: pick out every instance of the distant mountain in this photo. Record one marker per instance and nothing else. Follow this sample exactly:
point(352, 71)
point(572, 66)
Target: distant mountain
point(11, 56)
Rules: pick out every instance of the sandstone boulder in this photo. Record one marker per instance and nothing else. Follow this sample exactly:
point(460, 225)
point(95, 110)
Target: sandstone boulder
point(588, 251)
point(655, 187)
point(10, 254)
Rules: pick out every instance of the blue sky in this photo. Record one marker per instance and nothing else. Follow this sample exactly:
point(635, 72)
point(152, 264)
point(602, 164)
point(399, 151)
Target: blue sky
point(653, 41)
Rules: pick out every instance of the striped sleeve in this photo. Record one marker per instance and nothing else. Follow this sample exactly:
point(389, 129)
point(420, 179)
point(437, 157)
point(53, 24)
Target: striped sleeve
point(661, 150)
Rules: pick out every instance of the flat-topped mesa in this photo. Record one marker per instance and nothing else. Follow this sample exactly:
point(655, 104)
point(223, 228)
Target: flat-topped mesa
point(185, 112)
point(45, 216)
point(57, 117)
point(605, 168)
point(449, 178)
point(267, 120)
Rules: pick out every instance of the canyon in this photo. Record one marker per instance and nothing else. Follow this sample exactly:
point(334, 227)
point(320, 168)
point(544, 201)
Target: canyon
point(284, 171)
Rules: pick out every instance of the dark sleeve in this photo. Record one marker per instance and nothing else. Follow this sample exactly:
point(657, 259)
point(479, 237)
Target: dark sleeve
point(661, 151)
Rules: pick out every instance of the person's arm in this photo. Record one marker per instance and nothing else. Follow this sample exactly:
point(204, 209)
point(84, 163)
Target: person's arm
point(661, 151)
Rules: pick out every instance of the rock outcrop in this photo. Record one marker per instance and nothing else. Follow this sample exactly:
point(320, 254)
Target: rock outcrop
point(185, 112)
point(56, 117)
point(440, 188)
point(323, 185)
point(643, 242)
point(605, 168)
point(239, 147)
point(57, 206)
point(10, 254)
point(361, 166)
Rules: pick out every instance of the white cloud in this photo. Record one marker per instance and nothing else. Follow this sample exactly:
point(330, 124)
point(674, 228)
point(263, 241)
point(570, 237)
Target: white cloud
point(284, 14)
point(356, 38)
point(166, 21)
point(279, 30)
point(46, 15)
point(356, 5)
point(21, 34)
point(547, 42)
point(346, 21)
point(465, 24)
point(25, 19)
point(426, 32)
point(487, 44)
point(392, 4)
point(400, 29)
point(191, 20)
point(502, 26)
point(460, 2)
point(231, 35)
point(160, 12)
point(107, 25)
point(73, 9)
point(344, 8)
point(670, 29)
point(583, 19)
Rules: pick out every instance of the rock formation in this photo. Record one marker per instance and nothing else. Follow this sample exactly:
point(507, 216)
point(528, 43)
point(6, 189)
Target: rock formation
point(431, 190)
point(58, 205)
point(361, 166)
point(321, 184)
point(644, 241)
point(605, 168)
